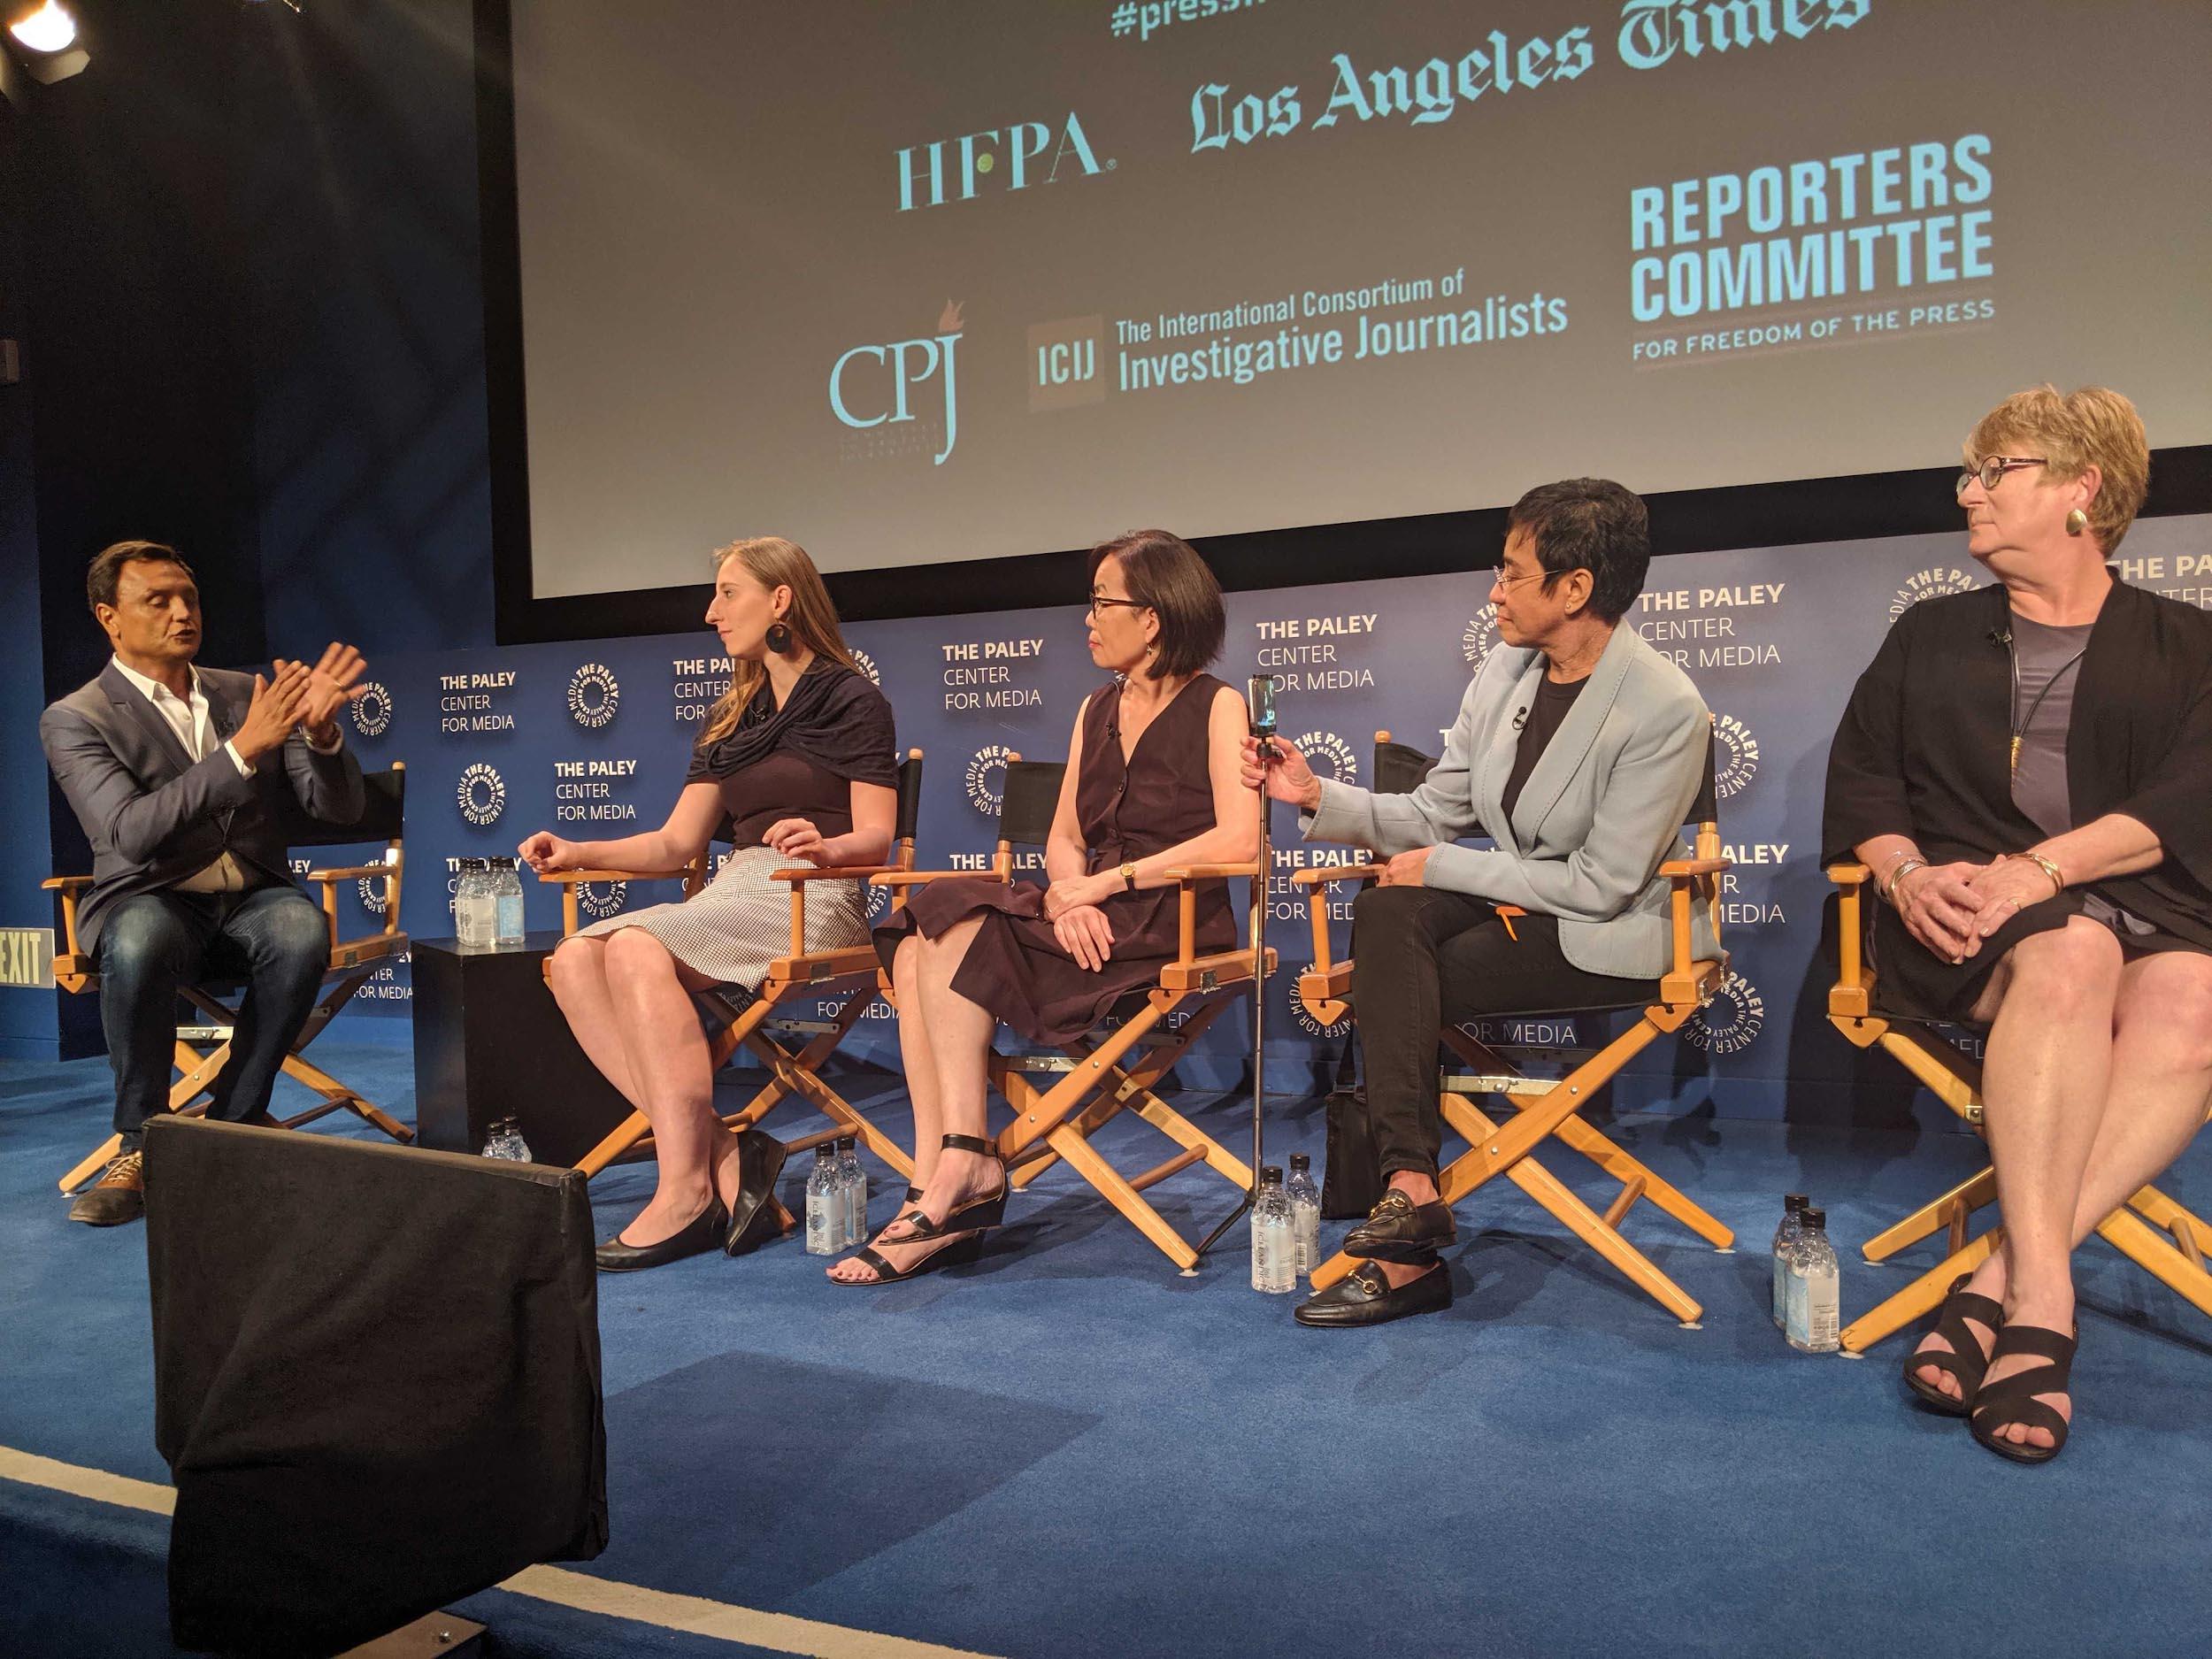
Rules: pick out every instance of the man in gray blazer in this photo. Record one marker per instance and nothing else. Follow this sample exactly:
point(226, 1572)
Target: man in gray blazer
point(1577, 750)
point(186, 780)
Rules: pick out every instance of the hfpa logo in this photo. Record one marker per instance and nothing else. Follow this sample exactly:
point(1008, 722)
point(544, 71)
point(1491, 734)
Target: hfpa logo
point(976, 156)
point(911, 363)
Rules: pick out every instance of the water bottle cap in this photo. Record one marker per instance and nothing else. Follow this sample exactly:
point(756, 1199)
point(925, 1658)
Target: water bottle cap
point(1794, 1203)
point(824, 1153)
point(847, 1143)
point(1814, 1219)
point(1270, 1175)
point(1299, 1163)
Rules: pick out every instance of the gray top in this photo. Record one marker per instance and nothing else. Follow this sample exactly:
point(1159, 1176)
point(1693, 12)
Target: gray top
point(2048, 663)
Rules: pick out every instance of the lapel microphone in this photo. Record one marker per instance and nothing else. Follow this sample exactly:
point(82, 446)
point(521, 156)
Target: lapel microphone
point(2001, 637)
point(1520, 717)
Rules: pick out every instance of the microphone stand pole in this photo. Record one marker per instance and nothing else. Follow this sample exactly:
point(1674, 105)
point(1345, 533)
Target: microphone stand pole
point(1264, 730)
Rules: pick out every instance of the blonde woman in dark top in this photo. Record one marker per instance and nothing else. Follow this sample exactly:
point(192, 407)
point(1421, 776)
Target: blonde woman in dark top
point(799, 758)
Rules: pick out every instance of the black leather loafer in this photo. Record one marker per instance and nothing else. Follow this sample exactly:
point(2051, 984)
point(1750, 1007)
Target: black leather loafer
point(1399, 1230)
point(705, 1231)
point(760, 1157)
point(1364, 1297)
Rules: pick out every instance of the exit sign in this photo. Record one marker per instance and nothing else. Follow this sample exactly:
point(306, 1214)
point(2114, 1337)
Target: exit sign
point(27, 957)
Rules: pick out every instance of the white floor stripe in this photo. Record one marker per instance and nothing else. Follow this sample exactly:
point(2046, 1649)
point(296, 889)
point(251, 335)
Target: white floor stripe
point(694, 1615)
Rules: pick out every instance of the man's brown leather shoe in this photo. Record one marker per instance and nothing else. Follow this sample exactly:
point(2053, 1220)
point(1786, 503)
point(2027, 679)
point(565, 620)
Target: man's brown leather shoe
point(119, 1194)
point(1399, 1230)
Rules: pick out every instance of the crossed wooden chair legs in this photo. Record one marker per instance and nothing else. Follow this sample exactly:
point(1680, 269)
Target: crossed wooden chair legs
point(1547, 1109)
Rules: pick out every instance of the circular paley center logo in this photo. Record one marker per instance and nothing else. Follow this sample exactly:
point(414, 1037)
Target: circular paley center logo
point(1327, 750)
point(986, 778)
point(1929, 584)
point(1479, 635)
point(372, 891)
point(1304, 1020)
point(482, 795)
point(593, 696)
point(867, 666)
point(599, 900)
point(1732, 1021)
point(372, 709)
point(1735, 756)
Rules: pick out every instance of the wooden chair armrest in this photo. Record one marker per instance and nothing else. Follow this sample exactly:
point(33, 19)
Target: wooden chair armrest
point(569, 878)
point(922, 878)
point(1683, 868)
point(350, 872)
point(1848, 875)
point(1321, 875)
point(65, 884)
point(1210, 872)
point(847, 872)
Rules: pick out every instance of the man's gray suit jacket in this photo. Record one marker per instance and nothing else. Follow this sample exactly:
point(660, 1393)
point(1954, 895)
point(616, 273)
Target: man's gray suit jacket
point(1602, 810)
point(154, 816)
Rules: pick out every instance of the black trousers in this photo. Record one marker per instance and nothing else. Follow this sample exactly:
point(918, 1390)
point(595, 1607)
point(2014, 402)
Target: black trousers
point(1423, 959)
point(152, 943)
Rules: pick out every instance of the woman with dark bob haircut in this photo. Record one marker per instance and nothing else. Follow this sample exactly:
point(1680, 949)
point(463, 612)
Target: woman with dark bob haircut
point(2022, 770)
point(1154, 786)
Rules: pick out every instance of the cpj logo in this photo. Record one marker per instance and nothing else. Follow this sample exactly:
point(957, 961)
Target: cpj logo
point(483, 794)
point(1732, 1021)
point(372, 709)
point(869, 385)
point(1735, 756)
point(986, 778)
point(593, 696)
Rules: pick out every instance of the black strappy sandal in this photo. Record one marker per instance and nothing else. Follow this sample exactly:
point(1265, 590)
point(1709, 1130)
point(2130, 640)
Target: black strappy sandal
point(1966, 1363)
point(976, 1215)
point(959, 1253)
point(2011, 1400)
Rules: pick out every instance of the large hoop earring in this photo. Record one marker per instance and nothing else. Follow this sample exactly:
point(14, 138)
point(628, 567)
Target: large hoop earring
point(2076, 521)
point(779, 639)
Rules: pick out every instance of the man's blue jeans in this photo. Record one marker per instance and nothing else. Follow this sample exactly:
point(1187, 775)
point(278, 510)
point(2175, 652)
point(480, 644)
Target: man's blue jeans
point(152, 943)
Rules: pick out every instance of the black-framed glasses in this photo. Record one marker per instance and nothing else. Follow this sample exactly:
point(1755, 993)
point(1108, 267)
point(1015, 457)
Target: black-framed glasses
point(1994, 467)
point(1100, 601)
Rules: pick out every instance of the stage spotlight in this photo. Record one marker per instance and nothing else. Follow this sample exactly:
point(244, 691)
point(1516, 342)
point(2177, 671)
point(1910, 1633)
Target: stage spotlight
point(44, 38)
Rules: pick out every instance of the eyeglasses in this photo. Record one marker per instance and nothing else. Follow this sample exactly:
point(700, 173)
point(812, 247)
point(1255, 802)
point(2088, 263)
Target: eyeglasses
point(1504, 580)
point(1994, 467)
point(1100, 601)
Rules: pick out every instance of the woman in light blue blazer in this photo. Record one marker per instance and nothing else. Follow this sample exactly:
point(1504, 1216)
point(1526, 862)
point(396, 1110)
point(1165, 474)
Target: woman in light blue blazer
point(1578, 750)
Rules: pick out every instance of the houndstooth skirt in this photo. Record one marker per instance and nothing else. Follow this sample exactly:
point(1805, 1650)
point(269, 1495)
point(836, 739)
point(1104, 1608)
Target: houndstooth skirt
point(732, 927)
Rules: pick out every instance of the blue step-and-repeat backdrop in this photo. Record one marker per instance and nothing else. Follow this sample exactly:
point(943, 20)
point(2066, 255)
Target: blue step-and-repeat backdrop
point(590, 740)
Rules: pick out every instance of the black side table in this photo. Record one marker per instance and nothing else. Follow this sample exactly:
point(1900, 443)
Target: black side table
point(490, 1043)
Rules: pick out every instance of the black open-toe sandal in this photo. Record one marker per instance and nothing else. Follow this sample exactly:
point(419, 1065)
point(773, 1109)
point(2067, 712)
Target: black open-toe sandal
point(973, 1217)
point(2012, 1400)
point(1965, 1364)
point(959, 1253)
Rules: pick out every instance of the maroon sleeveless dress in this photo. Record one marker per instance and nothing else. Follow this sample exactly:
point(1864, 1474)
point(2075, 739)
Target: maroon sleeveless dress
point(1161, 795)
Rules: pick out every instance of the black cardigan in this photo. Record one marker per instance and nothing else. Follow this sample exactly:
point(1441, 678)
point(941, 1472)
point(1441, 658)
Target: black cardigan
point(1924, 747)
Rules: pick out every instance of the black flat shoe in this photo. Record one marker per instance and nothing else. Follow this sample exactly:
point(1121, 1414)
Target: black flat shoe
point(752, 1219)
point(976, 1216)
point(1399, 1230)
point(958, 1253)
point(1966, 1362)
point(702, 1232)
point(2012, 1400)
point(1364, 1297)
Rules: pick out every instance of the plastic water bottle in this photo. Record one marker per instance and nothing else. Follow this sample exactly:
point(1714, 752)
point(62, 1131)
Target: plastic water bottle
point(506, 904)
point(1785, 1236)
point(824, 1204)
point(1305, 1213)
point(855, 1180)
point(464, 904)
point(505, 1142)
point(1815, 1298)
point(1274, 1241)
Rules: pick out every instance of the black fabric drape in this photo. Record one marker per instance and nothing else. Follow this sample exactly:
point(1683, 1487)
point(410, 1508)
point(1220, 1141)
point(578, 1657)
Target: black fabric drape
point(833, 717)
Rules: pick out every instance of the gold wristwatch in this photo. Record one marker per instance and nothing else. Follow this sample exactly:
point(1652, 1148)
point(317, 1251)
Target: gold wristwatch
point(1129, 878)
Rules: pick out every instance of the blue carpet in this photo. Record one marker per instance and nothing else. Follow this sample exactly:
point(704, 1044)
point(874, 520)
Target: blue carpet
point(1069, 1449)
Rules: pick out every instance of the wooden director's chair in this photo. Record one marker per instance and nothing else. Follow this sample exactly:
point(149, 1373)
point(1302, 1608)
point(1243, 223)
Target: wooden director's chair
point(352, 962)
point(850, 977)
point(1099, 1079)
point(1546, 1107)
point(2151, 1230)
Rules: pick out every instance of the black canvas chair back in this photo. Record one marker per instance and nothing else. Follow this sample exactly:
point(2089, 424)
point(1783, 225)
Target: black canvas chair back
point(1028, 801)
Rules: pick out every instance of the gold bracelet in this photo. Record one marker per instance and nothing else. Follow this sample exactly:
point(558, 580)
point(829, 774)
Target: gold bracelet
point(2058, 882)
